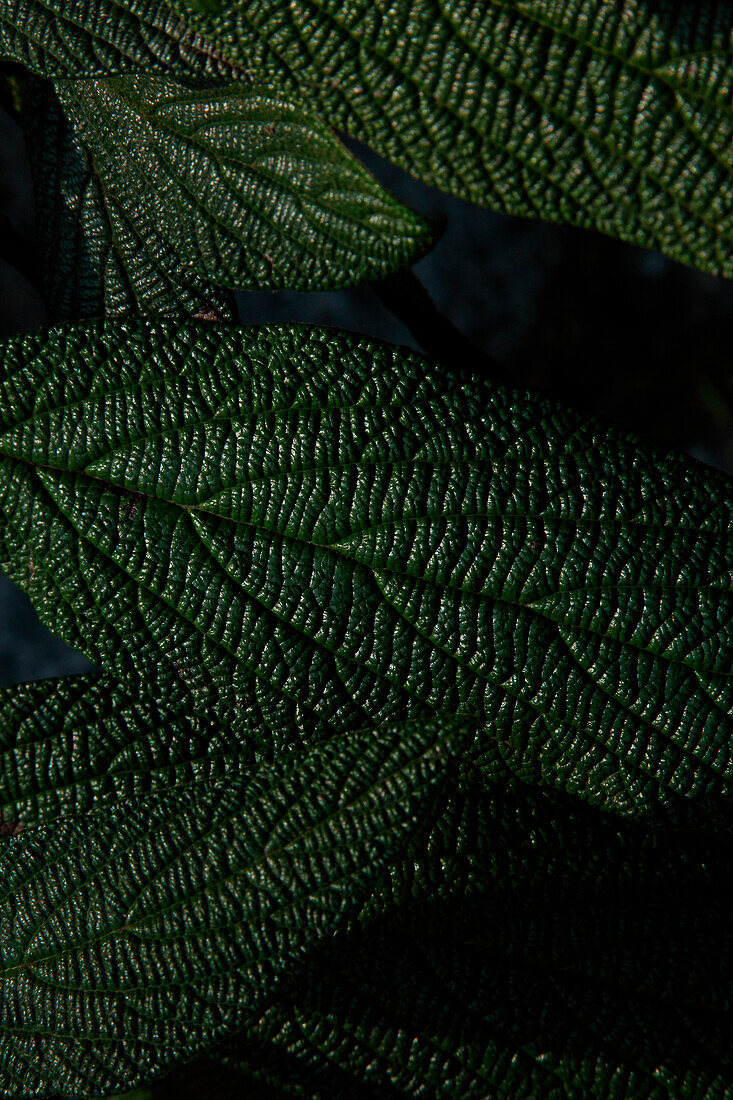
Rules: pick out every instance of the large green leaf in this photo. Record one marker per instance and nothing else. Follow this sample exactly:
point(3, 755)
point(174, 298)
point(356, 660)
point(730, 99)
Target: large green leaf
point(607, 115)
point(596, 963)
point(58, 38)
point(134, 937)
point(545, 965)
point(313, 532)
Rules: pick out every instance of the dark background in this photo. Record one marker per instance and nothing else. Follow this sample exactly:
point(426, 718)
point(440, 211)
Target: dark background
point(614, 330)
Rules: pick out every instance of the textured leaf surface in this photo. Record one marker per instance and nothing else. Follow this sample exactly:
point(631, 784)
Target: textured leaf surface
point(605, 114)
point(58, 38)
point(313, 533)
point(608, 115)
point(75, 744)
point(93, 260)
point(133, 938)
point(596, 963)
point(236, 185)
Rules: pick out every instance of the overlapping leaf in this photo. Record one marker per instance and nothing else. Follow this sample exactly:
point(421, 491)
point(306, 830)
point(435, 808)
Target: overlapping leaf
point(133, 937)
point(542, 971)
point(313, 533)
point(596, 963)
point(236, 185)
point(612, 116)
point(59, 38)
point(155, 193)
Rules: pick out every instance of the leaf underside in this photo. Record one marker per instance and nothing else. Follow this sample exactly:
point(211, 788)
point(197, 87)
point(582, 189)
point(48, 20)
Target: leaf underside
point(611, 116)
point(310, 533)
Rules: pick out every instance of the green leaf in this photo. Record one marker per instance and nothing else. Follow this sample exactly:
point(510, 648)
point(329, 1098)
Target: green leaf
point(59, 38)
point(76, 744)
point(607, 116)
point(235, 185)
point(595, 963)
point(94, 260)
point(395, 1029)
point(134, 937)
point(313, 533)
point(257, 193)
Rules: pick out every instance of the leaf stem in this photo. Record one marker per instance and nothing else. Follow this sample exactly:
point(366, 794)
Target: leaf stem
point(405, 296)
point(19, 252)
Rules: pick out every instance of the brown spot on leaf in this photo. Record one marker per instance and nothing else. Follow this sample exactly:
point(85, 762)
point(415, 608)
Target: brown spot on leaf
point(209, 314)
point(130, 508)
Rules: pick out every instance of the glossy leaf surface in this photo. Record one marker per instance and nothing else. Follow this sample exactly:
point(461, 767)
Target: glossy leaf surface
point(73, 745)
point(236, 185)
point(94, 261)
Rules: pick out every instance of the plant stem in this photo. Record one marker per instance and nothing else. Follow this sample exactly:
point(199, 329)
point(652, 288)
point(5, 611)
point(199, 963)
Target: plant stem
point(18, 252)
point(405, 296)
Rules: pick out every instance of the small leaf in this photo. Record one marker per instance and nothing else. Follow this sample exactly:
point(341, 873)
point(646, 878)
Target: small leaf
point(133, 938)
point(235, 185)
point(313, 533)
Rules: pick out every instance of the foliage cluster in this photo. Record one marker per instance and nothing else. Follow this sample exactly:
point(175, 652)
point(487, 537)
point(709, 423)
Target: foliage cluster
point(406, 770)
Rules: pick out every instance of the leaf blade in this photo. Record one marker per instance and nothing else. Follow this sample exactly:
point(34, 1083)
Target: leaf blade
point(608, 118)
point(74, 745)
point(337, 534)
point(585, 957)
point(153, 929)
point(239, 186)
point(93, 260)
point(612, 119)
